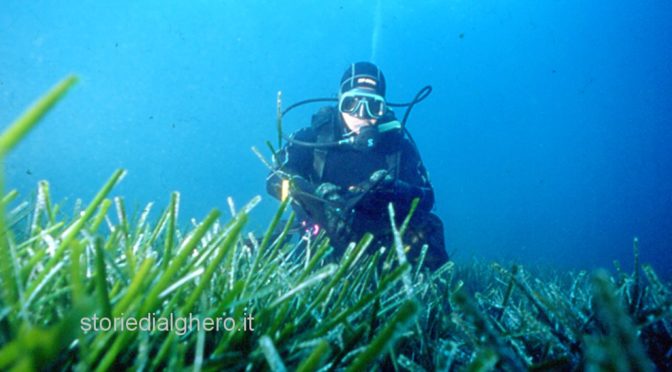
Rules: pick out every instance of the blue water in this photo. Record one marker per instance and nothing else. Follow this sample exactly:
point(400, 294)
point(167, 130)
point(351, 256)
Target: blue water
point(547, 137)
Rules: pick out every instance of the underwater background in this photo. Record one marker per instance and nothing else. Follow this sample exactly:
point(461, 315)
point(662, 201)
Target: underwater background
point(547, 136)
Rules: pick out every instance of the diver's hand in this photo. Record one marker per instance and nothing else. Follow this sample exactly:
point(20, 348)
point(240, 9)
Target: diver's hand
point(380, 176)
point(338, 218)
point(373, 193)
point(381, 181)
point(384, 182)
point(381, 188)
point(329, 191)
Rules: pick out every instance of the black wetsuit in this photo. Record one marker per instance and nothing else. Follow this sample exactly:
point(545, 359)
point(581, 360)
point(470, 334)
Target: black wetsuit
point(350, 169)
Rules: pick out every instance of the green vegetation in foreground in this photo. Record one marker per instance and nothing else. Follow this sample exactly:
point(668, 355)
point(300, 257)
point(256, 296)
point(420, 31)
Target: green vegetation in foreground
point(311, 311)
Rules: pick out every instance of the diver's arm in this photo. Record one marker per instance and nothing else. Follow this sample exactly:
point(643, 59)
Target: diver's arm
point(413, 179)
point(406, 192)
point(383, 187)
point(401, 193)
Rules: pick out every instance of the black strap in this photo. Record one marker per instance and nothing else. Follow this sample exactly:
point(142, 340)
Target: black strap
point(394, 163)
point(319, 159)
point(323, 123)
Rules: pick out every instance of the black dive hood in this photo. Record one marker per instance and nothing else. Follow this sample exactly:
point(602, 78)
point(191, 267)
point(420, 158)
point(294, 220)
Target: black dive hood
point(368, 136)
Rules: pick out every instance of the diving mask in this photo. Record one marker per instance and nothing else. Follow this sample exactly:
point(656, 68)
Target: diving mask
point(352, 102)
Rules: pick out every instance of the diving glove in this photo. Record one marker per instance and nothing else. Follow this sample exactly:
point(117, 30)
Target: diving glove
point(338, 218)
point(380, 178)
point(383, 188)
point(329, 191)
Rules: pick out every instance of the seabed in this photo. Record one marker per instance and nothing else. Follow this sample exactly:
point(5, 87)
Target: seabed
point(310, 310)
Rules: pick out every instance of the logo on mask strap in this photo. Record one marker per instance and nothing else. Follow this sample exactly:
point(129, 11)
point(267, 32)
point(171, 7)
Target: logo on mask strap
point(366, 80)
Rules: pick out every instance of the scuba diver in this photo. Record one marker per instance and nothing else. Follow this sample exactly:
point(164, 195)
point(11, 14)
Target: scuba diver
point(355, 159)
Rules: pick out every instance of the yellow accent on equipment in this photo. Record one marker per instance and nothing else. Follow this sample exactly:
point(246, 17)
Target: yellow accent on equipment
point(284, 191)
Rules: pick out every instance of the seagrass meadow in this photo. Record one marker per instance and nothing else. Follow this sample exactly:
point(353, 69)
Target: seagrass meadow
point(369, 309)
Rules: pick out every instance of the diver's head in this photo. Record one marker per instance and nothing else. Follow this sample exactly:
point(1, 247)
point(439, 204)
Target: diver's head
point(363, 75)
point(361, 98)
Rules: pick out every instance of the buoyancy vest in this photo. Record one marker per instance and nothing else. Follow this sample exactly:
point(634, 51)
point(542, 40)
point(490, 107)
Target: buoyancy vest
point(327, 126)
